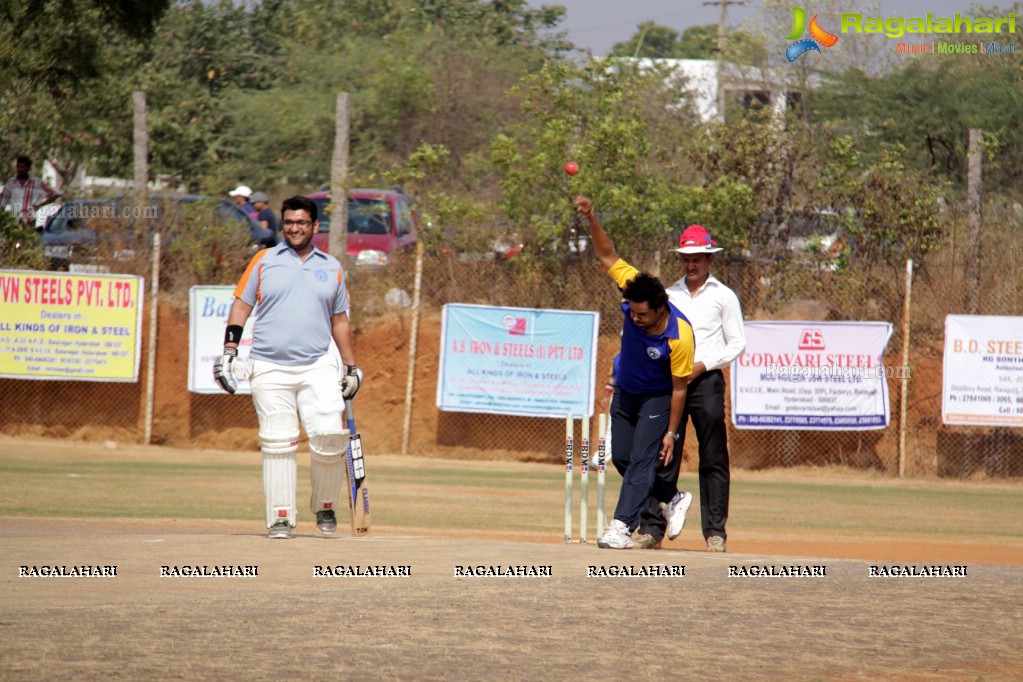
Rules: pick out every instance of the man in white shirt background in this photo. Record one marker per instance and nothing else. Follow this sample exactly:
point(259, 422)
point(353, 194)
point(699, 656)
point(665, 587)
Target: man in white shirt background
point(25, 194)
point(716, 316)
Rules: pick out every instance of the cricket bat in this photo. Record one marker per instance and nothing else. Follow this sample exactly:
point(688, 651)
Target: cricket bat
point(358, 494)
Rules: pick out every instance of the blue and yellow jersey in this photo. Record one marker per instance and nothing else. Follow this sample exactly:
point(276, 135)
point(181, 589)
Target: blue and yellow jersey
point(649, 361)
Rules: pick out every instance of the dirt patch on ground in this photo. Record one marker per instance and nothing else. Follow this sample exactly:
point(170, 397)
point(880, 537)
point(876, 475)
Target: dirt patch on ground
point(434, 624)
point(442, 522)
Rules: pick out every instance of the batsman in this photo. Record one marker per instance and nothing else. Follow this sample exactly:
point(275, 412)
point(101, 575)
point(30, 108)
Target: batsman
point(301, 303)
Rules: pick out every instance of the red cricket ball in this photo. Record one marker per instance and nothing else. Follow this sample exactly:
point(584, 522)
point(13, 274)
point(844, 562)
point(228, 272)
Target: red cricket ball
point(571, 168)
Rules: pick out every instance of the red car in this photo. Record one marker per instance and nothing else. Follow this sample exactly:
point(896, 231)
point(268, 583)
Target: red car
point(381, 224)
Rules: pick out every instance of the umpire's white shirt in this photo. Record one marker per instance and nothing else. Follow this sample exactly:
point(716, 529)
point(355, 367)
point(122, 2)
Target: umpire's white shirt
point(716, 317)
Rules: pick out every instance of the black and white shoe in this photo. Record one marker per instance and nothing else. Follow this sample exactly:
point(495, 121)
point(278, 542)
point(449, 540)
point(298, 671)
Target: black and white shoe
point(616, 536)
point(326, 521)
point(281, 530)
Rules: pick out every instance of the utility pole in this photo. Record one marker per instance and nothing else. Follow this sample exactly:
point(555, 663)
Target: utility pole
point(722, 10)
point(338, 238)
point(975, 222)
point(140, 146)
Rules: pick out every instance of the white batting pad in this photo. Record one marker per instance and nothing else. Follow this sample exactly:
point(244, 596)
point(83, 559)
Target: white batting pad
point(327, 469)
point(278, 433)
point(280, 475)
point(278, 436)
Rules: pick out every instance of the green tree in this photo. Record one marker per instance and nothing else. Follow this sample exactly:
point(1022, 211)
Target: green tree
point(927, 109)
point(417, 73)
point(19, 245)
point(893, 211)
point(654, 41)
point(237, 87)
point(766, 158)
point(200, 56)
point(57, 58)
point(625, 128)
point(651, 40)
point(48, 45)
point(249, 92)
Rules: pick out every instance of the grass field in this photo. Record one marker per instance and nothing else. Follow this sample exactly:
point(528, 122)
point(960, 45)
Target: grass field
point(519, 500)
point(143, 508)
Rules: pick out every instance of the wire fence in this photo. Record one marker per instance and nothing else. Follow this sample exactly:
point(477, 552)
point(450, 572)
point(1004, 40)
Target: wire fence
point(801, 287)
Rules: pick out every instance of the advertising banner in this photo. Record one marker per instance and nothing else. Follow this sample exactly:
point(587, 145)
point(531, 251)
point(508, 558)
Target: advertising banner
point(207, 320)
point(982, 376)
point(812, 376)
point(56, 325)
point(517, 361)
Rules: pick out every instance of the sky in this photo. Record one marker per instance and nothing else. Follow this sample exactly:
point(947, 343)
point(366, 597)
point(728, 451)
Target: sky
point(598, 24)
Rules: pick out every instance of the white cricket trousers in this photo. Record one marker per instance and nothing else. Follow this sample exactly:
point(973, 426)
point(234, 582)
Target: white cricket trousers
point(282, 395)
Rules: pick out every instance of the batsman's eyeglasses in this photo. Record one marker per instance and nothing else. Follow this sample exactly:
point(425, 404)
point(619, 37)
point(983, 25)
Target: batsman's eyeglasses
point(298, 223)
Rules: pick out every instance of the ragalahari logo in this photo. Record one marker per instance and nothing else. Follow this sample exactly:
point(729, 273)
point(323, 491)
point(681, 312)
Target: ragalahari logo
point(801, 47)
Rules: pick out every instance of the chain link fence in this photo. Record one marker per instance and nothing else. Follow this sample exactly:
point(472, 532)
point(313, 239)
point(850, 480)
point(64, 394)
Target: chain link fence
point(798, 287)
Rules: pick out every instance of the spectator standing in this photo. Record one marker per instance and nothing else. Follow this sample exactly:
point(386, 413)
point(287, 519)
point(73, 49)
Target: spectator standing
point(241, 195)
point(25, 194)
point(264, 214)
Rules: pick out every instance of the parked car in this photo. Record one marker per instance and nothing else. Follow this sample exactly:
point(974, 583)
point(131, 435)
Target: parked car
point(381, 224)
point(477, 244)
point(813, 229)
point(84, 232)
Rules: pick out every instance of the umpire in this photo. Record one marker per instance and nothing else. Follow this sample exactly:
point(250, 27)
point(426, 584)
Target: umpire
point(714, 311)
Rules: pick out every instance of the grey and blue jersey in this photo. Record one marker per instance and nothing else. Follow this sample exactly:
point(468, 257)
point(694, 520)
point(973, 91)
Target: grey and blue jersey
point(294, 302)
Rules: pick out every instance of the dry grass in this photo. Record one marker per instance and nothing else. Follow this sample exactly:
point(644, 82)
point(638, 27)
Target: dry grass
point(142, 508)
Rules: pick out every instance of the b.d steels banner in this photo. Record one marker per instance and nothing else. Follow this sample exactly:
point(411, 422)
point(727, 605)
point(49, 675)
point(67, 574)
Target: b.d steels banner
point(517, 361)
point(982, 377)
point(76, 327)
point(812, 376)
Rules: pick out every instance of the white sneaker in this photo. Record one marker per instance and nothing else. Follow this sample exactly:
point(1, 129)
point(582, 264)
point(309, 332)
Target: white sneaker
point(617, 536)
point(675, 513)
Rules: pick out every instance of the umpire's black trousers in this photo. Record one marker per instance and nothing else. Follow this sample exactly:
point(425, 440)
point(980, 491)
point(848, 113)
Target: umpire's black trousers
point(705, 405)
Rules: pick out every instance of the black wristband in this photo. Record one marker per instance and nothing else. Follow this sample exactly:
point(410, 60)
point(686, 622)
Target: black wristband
point(233, 333)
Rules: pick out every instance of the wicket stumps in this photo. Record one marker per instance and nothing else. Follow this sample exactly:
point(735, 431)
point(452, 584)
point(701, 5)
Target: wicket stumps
point(601, 462)
point(584, 478)
point(584, 475)
point(569, 456)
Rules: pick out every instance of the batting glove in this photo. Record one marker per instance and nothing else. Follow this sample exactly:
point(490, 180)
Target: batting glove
point(351, 382)
point(223, 370)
